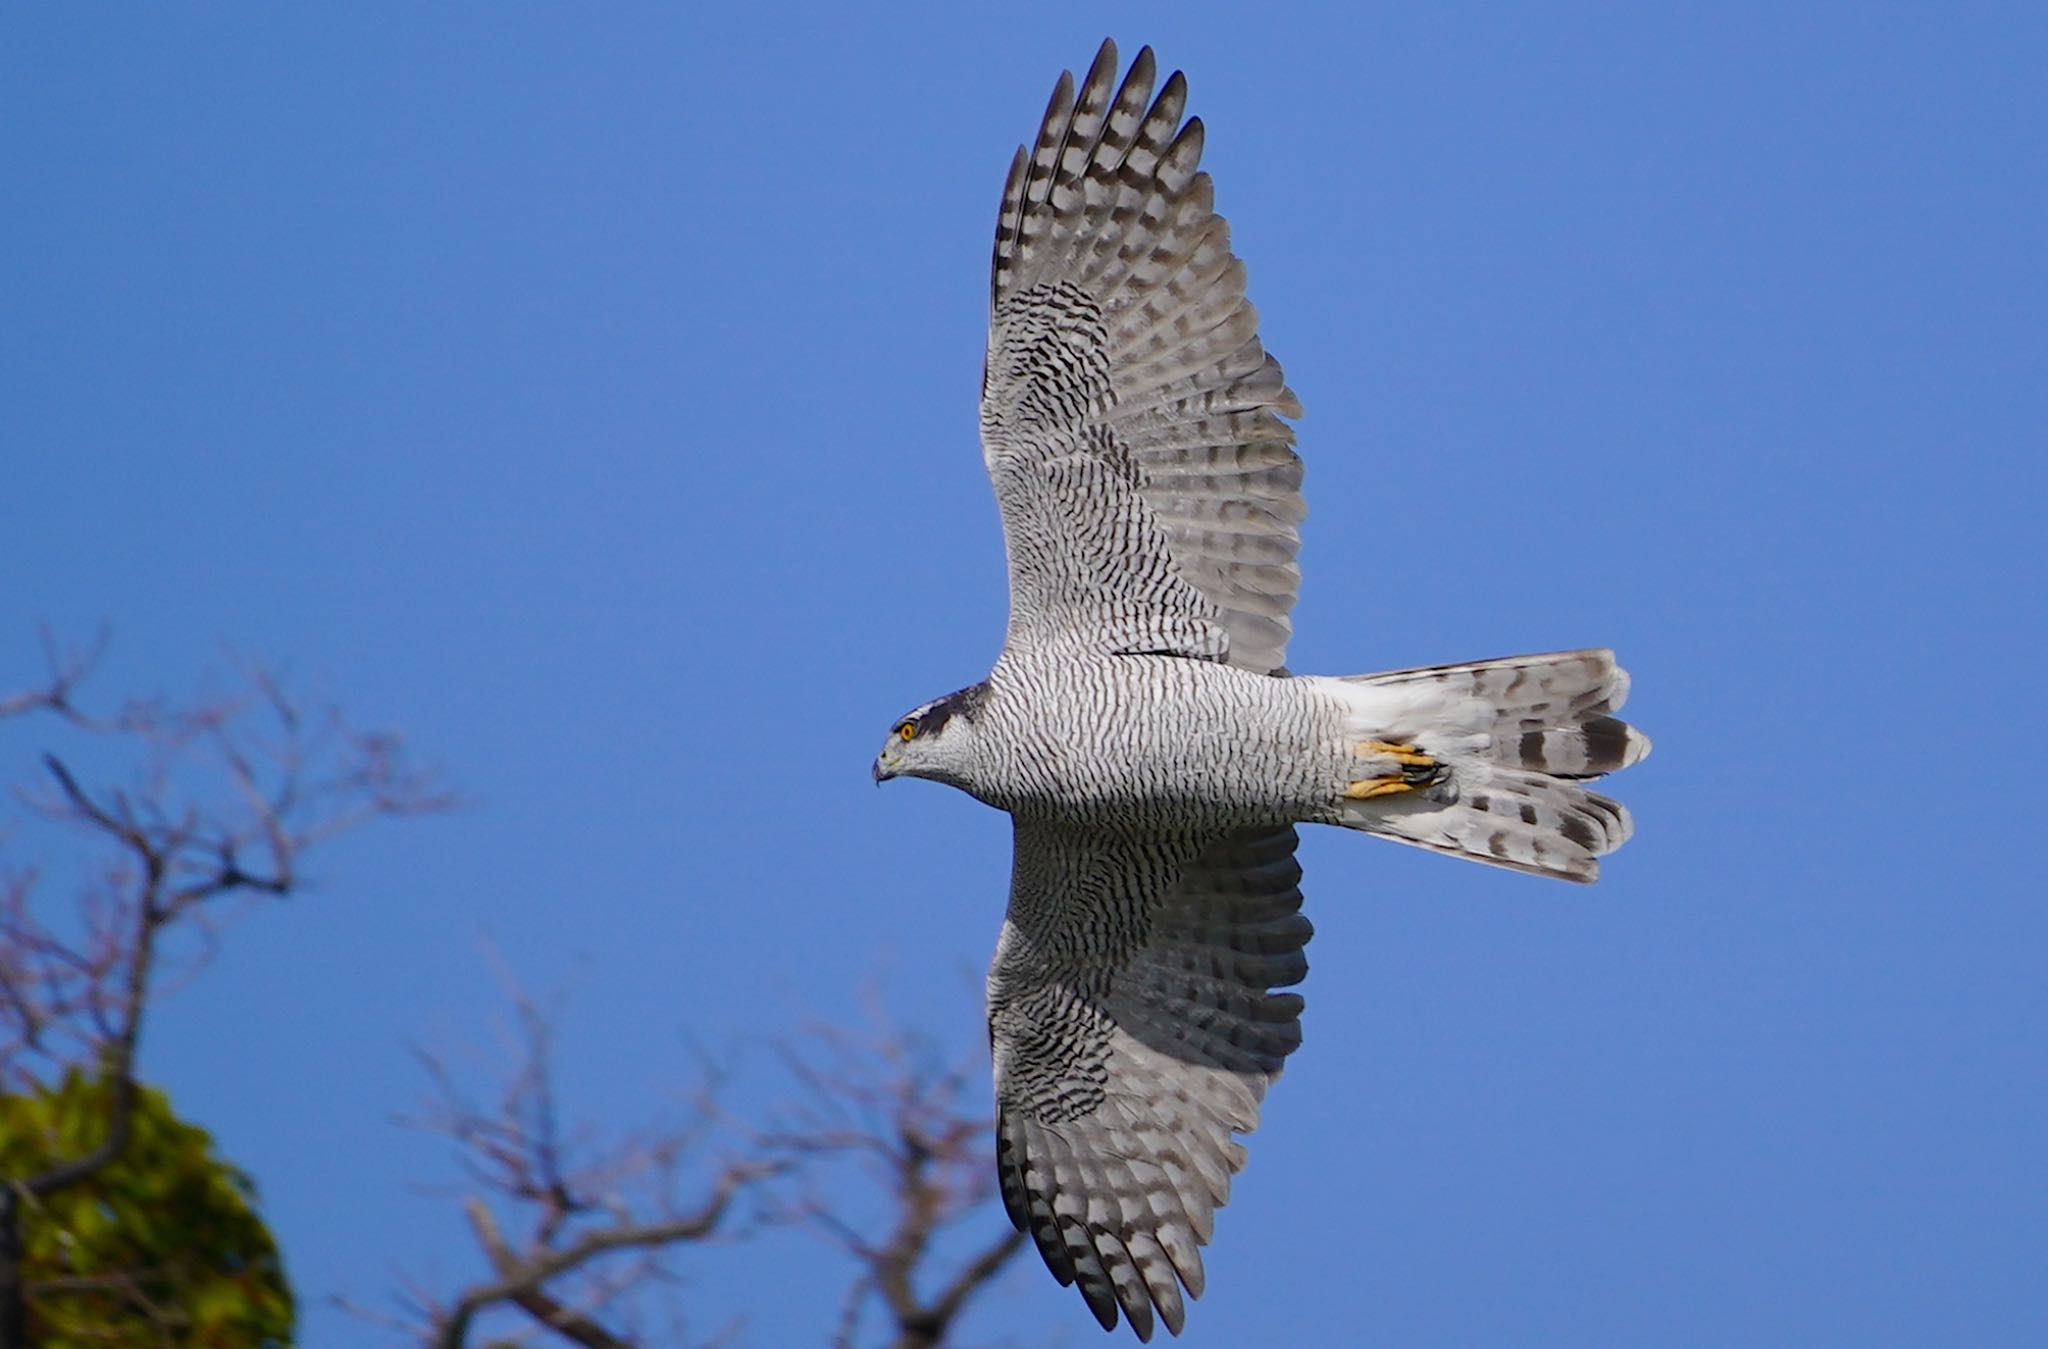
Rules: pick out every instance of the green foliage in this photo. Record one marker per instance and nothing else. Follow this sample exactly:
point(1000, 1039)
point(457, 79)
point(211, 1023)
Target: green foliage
point(160, 1248)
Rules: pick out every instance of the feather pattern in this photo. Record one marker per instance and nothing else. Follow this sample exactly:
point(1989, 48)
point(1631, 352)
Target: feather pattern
point(1517, 738)
point(1135, 1028)
point(1131, 420)
point(1132, 426)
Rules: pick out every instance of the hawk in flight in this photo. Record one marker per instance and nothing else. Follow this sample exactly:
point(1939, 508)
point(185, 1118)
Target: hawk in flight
point(1141, 730)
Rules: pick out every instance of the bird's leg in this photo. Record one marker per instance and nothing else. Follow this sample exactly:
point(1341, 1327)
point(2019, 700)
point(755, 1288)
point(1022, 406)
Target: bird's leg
point(1409, 770)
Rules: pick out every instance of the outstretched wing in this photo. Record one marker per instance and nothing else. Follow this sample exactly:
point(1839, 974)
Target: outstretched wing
point(1134, 1031)
point(1130, 419)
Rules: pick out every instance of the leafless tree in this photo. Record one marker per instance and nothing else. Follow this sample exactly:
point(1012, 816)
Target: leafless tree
point(193, 809)
point(574, 1223)
point(157, 820)
point(574, 1228)
point(918, 1129)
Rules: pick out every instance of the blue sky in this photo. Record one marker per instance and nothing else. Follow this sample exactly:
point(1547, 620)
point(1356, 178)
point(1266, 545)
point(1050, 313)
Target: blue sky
point(589, 393)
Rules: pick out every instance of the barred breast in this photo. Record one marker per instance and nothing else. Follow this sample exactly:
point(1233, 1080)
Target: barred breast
point(1158, 742)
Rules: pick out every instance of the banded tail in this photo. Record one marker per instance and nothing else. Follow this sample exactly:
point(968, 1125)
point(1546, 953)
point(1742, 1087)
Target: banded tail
point(1487, 760)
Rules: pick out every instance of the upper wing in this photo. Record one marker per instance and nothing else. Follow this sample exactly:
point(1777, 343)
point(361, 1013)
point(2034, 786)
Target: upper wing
point(1134, 1033)
point(1130, 419)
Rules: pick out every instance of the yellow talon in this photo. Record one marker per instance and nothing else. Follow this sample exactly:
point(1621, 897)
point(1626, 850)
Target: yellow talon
point(1418, 770)
point(1371, 787)
point(1401, 754)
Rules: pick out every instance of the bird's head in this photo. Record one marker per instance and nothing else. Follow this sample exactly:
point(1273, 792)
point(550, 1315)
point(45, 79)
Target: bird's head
point(935, 741)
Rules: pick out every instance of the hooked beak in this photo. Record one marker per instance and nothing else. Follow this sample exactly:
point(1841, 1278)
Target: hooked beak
point(883, 770)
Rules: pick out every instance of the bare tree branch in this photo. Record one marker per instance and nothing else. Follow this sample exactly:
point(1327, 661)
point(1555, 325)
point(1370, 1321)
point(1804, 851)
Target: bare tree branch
point(595, 1220)
point(523, 1277)
point(66, 671)
point(158, 854)
point(876, 1118)
point(918, 1128)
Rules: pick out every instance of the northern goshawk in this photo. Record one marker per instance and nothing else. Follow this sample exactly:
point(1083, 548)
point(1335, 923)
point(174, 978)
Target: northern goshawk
point(1139, 728)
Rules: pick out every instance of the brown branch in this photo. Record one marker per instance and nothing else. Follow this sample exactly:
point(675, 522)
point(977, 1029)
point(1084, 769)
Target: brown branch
point(578, 1205)
point(974, 1275)
point(522, 1287)
point(67, 670)
point(889, 1102)
point(117, 1056)
point(71, 1001)
point(885, 1109)
point(523, 1279)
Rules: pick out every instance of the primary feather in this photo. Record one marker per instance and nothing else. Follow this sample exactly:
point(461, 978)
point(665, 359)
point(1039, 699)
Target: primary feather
point(1130, 419)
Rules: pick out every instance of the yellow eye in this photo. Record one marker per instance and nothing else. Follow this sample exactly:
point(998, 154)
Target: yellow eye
point(908, 730)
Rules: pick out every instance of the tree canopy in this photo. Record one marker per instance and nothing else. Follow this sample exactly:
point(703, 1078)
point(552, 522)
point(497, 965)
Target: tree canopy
point(163, 1246)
